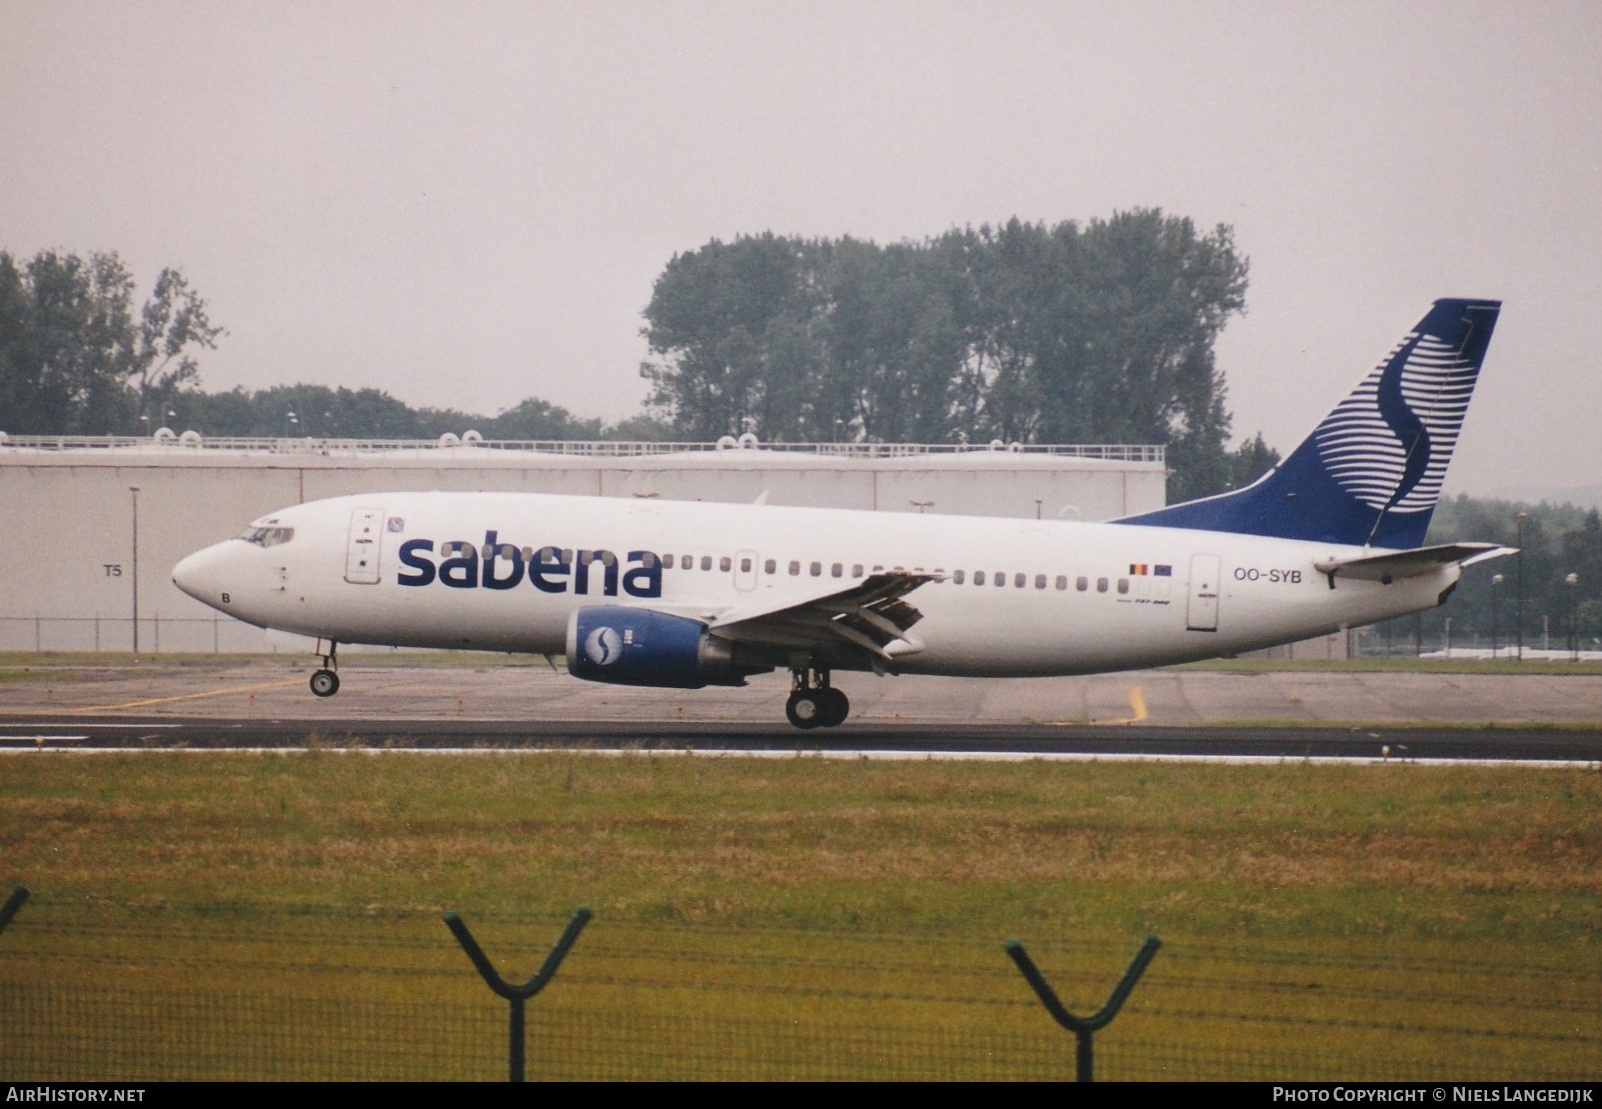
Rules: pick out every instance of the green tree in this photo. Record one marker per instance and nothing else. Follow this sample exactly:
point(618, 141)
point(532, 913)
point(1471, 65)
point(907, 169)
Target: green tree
point(172, 326)
point(638, 429)
point(1106, 333)
point(709, 316)
point(76, 359)
point(1557, 540)
point(1023, 333)
point(1248, 462)
point(304, 411)
point(538, 419)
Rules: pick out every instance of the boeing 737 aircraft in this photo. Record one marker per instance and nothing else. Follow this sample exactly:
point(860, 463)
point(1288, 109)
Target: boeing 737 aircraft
point(685, 595)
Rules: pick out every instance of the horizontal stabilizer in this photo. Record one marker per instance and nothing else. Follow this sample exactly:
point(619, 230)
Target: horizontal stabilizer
point(1406, 564)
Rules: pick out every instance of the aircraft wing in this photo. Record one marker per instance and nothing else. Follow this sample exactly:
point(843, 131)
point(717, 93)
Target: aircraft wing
point(867, 617)
point(1406, 564)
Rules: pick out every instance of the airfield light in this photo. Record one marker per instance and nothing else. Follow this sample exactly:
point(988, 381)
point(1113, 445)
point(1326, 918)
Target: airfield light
point(1518, 600)
point(1496, 588)
point(134, 490)
point(1574, 641)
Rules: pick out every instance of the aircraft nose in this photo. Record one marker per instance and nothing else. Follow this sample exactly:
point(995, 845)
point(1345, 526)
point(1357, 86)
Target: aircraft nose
point(201, 575)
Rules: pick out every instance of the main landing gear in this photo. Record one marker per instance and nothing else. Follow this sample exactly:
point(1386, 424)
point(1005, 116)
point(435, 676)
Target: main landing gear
point(324, 682)
point(814, 703)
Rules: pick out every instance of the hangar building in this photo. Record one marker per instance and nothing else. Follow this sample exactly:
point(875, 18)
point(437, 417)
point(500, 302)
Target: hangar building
point(95, 524)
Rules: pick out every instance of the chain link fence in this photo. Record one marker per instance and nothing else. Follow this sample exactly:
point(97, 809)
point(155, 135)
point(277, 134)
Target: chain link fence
point(125, 992)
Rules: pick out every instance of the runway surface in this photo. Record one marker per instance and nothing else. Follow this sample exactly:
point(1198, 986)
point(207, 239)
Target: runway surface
point(1278, 715)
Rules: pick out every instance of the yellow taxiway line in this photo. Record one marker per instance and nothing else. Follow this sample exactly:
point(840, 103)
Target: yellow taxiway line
point(191, 696)
point(1137, 709)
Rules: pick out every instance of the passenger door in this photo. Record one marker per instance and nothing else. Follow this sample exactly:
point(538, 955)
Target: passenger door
point(1201, 611)
point(362, 547)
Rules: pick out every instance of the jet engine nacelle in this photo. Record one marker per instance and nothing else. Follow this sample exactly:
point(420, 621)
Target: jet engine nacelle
point(638, 646)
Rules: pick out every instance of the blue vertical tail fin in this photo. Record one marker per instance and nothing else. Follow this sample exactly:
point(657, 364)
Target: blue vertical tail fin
point(1369, 474)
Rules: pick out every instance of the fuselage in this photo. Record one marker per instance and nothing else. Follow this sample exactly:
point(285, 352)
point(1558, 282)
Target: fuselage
point(506, 571)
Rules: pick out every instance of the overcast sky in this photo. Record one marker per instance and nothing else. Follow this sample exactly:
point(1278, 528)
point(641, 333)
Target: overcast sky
point(466, 204)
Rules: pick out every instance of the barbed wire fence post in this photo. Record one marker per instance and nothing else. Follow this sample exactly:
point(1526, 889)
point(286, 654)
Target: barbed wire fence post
point(13, 903)
point(1083, 1028)
point(517, 996)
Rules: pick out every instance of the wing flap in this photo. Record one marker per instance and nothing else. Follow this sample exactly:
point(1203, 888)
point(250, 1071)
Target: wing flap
point(871, 617)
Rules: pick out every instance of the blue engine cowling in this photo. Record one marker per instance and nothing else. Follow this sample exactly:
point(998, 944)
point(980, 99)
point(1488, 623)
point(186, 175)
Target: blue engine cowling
point(638, 646)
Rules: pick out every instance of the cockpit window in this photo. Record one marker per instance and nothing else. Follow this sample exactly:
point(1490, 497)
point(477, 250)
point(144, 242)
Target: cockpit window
point(267, 537)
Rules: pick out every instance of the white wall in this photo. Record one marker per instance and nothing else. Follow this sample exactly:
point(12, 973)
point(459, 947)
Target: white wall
point(67, 517)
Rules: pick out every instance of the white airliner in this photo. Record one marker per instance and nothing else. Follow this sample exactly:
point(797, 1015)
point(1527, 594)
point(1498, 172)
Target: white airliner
point(685, 595)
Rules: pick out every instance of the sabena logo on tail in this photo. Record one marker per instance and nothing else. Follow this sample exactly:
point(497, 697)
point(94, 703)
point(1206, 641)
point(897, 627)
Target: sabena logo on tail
point(1388, 443)
point(1371, 472)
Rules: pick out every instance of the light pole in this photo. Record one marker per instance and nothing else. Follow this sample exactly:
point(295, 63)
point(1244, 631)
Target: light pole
point(1574, 641)
point(1496, 587)
point(134, 490)
point(1518, 560)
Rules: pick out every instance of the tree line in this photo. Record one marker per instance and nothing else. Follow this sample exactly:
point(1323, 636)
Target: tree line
point(78, 356)
point(318, 412)
point(1025, 332)
point(1555, 541)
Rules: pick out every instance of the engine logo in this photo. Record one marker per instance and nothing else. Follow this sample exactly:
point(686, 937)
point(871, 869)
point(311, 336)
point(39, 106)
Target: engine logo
point(603, 646)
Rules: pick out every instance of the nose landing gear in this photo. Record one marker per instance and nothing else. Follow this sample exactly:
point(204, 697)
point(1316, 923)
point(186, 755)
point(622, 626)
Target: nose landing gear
point(814, 703)
point(325, 682)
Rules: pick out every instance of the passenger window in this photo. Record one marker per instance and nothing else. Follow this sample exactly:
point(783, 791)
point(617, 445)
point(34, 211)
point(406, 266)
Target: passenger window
point(817, 569)
point(856, 570)
point(770, 567)
point(1018, 580)
point(667, 560)
point(957, 576)
point(1123, 585)
point(1062, 581)
point(1040, 581)
point(795, 568)
point(836, 570)
point(745, 566)
point(1000, 579)
point(706, 562)
point(686, 562)
point(725, 563)
point(1101, 585)
point(1082, 584)
point(978, 577)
